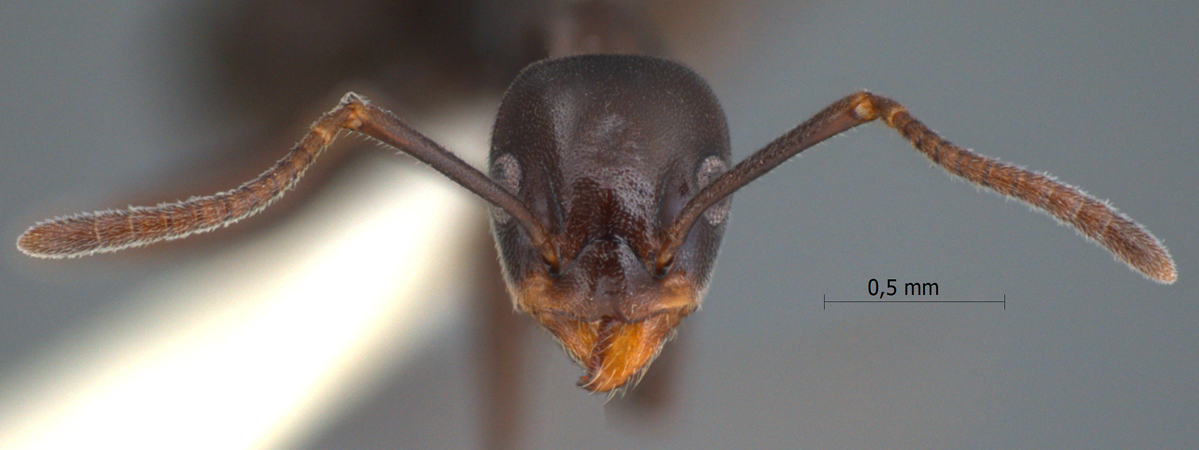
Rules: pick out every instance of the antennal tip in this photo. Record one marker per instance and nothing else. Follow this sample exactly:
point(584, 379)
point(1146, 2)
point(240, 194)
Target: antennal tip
point(1167, 274)
point(60, 238)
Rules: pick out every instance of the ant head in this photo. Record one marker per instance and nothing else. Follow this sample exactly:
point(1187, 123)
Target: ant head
point(605, 150)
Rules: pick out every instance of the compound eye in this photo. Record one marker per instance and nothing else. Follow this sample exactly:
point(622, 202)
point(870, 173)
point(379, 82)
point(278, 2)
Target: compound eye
point(710, 169)
point(505, 170)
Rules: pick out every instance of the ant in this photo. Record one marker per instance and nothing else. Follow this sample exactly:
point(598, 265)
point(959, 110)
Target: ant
point(610, 180)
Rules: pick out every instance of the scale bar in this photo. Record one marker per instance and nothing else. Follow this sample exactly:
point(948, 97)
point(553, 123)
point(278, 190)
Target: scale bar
point(826, 301)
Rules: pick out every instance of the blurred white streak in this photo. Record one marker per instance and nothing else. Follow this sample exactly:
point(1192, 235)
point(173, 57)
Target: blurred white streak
point(255, 348)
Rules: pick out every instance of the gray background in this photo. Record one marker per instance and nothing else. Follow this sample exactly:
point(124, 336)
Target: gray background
point(1087, 354)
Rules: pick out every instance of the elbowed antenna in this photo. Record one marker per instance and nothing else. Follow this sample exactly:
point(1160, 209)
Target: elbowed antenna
point(112, 230)
point(1095, 219)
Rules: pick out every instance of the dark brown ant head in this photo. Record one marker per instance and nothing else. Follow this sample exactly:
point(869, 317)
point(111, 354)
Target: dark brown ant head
point(605, 150)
